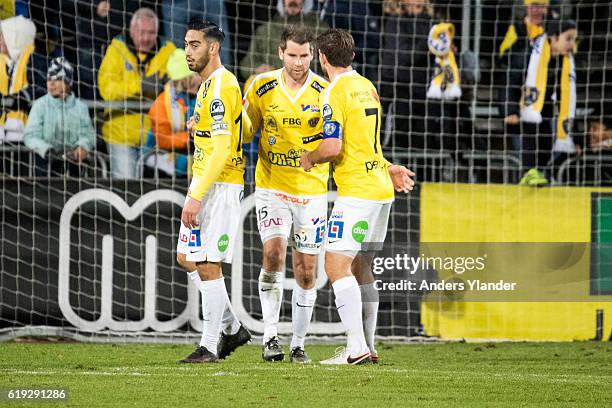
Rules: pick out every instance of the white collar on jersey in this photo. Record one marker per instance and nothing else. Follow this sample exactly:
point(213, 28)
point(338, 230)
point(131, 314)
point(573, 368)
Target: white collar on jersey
point(347, 73)
point(212, 74)
point(281, 82)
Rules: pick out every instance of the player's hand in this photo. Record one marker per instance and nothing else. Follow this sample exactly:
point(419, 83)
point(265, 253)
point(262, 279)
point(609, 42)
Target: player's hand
point(401, 178)
point(189, 216)
point(190, 125)
point(305, 162)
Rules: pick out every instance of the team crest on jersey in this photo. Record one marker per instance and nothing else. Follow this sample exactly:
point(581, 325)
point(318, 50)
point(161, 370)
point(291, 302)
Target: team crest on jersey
point(270, 124)
point(217, 109)
point(327, 112)
point(128, 67)
point(317, 86)
point(272, 140)
point(313, 121)
point(196, 117)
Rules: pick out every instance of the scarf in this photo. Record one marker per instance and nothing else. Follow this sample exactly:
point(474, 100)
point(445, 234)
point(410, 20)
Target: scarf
point(534, 91)
point(17, 82)
point(533, 31)
point(445, 82)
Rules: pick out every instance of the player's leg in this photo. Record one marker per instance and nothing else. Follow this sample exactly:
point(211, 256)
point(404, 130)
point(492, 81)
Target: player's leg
point(274, 224)
point(343, 244)
point(309, 223)
point(303, 300)
point(230, 322)
point(217, 233)
point(362, 269)
point(271, 282)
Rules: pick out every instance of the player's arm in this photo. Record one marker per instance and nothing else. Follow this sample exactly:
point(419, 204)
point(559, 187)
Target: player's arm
point(221, 134)
point(401, 177)
point(250, 104)
point(330, 146)
point(326, 152)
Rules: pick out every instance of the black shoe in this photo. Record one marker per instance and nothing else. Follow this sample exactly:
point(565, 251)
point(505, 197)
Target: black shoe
point(298, 355)
point(230, 342)
point(200, 355)
point(272, 351)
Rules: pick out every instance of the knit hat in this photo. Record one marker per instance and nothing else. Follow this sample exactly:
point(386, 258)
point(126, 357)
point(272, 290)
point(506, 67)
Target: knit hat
point(177, 65)
point(60, 69)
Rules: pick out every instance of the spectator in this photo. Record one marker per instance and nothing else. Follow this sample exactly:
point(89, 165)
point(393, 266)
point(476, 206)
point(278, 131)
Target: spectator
point(444, 91)
point(97, 23)
point(359, 18)
point(515, 49)
point(18, 81)
point(59, 128)
point(133, 68)
point(170, 113)
point(263, 51)
point(404, 70)
point(549, 87)
point(177, 13)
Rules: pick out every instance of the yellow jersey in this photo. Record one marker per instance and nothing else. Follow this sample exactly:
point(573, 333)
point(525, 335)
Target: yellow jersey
point(218, 111)
point(290, 124)
point(351, 111)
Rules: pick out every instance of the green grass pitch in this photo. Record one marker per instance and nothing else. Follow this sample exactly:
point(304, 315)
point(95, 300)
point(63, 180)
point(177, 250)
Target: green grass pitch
point(428, 375)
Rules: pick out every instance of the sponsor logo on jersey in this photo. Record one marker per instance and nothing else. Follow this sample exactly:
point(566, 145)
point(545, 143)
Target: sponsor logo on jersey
point(359, 231)
point(335, 229)
point(317, 220)
point(313, 138)
point(372, 165)
point(223, 243)
point(290, 159)
point(327, 112)
point(218, 126)
point(311, 108)
point(336, 215)
point(271, 222)
point(217, 109)
point(202, 133)
point(194, 238)
point(266, 87)
point(319, 234)
point(317, 86)
point(292, 200)
point(292, 122)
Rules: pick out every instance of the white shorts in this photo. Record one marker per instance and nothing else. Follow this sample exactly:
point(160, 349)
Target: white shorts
point(356, 225)
point(214, 238)
point(182, 244)
point(277, 212)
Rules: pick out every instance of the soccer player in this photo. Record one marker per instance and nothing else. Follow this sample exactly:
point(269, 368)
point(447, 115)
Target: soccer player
point(217, 185)
point(350, 109)
point(285, 104)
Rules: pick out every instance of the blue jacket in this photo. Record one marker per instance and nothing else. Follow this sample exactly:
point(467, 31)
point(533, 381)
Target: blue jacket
point(60, 125)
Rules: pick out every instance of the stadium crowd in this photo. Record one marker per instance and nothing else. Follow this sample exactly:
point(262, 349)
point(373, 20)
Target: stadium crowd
point(113, 82)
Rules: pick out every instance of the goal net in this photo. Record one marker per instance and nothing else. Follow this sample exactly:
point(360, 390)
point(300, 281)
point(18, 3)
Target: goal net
point(92, 256)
